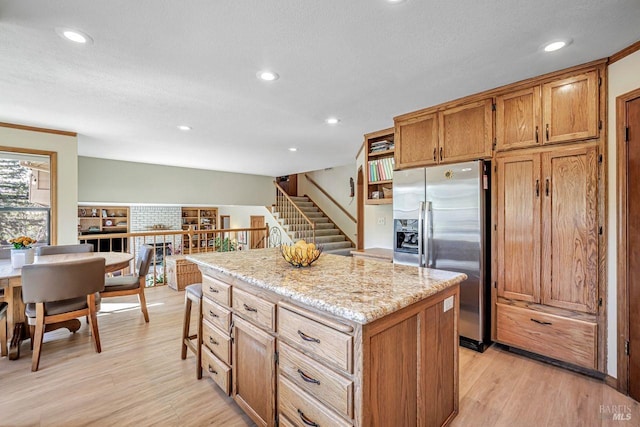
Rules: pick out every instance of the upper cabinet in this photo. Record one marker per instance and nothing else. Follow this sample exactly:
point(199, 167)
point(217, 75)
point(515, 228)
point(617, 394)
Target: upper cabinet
point(466, 132)
point(417, 141)
point(450, 135)
point(560, 110)
point(518, 119)
point(570, 108)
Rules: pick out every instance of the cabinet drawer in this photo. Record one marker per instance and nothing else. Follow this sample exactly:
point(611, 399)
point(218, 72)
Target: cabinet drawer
point(570, 340)
point(219, 372)
point(218, 342)
point(254, 309)
point(284, 422)
point(216, 290)
point(316, 338)
point(321, 382)
point(304, 410)
point(219, 316)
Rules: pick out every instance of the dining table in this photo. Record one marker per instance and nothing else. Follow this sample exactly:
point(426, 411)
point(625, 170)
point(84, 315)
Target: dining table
point(10, 280)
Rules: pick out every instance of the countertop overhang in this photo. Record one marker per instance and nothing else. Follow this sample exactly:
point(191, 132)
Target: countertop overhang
point(356, 289)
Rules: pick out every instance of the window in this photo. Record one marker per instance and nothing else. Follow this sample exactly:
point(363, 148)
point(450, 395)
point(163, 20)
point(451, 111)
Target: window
point(27, 183)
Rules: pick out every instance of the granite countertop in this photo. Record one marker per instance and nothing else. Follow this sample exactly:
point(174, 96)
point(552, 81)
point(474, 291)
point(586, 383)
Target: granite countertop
point(357, 289)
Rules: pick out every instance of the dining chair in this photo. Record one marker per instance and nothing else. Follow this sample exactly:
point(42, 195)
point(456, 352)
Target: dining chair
point(64, 249)
point(3, 328)
point(133, 284)
point(62, 291)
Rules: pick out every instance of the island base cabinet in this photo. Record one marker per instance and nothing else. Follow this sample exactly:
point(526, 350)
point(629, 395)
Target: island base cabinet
point(254, 368)
point(411, 372)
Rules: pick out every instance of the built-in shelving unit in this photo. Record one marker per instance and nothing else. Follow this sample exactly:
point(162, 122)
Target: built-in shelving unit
point(379, 152)
point(199, 219)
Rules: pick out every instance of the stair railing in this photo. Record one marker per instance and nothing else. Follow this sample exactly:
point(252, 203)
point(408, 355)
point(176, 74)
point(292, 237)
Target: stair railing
point(300, 224)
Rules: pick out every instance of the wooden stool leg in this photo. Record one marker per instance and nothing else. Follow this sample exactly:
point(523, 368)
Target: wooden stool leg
point(199, 342)
point(185, 326)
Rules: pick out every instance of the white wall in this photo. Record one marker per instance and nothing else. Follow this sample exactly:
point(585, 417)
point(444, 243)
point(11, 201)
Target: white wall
point(334, 181)
point(624, 76)
point(378, 219)
point(66, 148)
point(112, 181)
point(240, 217)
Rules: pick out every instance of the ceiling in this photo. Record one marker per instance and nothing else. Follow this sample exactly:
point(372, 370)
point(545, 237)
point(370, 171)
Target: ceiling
point(157, 64)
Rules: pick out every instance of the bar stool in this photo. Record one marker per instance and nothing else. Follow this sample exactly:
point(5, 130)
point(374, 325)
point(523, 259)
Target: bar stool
point(3, 328)
point(193, 293)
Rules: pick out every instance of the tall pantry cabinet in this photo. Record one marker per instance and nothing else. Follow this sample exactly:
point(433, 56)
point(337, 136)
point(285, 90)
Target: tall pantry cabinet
point(546, 219)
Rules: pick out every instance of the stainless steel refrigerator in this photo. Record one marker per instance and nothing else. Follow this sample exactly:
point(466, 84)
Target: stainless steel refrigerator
point(440, 222)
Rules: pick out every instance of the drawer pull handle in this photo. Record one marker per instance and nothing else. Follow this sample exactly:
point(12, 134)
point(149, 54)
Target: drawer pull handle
point(440, 153)
point(246, 307)
point(547, 132)
point(214, 372)
point(212, 314)
point(308, 378)
point(212, 341)
point(214, 290)
point(306, 420)
point(434, 154)
point(537, 134)
point(540, 322)
point(307, 337)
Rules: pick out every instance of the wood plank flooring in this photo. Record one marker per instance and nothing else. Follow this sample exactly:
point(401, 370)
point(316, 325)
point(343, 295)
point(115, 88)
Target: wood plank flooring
point(139, 380)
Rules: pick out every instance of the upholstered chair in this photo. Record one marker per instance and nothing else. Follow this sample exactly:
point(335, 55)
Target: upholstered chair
point(59, 292)
point(132, 284)
point(64, 249)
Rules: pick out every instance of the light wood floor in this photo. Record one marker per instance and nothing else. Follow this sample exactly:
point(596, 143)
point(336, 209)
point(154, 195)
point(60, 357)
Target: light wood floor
point(139, 380)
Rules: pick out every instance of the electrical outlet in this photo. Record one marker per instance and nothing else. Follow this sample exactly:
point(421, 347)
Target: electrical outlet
point(448, 304)
point(382, 220)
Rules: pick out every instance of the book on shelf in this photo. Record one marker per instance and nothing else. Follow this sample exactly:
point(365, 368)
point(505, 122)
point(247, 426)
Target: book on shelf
point(380, 146)
point(381, 169)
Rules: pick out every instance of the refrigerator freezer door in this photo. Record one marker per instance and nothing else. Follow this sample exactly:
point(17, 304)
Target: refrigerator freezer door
point(408, 216)
point(455, 237)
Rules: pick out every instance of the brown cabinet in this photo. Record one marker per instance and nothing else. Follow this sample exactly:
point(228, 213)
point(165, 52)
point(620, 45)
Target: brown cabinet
point(454, 134)
point(417, 139)
point(466, 132)
point(561, 110)
point(547, 238)
point(380, 163)
point(103, 219)
point(518, 119)
point(254, 372)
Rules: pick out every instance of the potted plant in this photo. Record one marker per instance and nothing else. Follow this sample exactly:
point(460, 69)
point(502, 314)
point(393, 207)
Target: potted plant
point(22, 253)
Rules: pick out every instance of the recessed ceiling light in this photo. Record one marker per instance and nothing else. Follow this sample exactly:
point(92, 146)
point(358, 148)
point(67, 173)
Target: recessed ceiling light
point(184, 127)
point(267, 75)
point(293, 149)
point(332, 121)
point(396, 1)
point(75, 36)
point(555, 45)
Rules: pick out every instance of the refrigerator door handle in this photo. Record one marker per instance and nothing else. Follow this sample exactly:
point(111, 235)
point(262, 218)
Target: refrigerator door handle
point(429, 233)
point(421, 257)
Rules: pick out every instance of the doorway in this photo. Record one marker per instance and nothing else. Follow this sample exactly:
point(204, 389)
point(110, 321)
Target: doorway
point(628, 146)
point(225, 222)
point(257, 237)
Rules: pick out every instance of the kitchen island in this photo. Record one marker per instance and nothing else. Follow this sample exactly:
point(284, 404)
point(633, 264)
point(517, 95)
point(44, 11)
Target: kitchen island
point(344, 342)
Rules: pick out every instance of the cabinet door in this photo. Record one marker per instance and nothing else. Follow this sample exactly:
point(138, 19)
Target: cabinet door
point(518, 233)
point(254, 372)
point(570, 236)
point(518, 119)
point(416, 141)
point(570, 108)
point(466, 132)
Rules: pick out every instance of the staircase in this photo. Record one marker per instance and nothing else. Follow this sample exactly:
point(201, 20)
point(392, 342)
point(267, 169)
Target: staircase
point(327, 234)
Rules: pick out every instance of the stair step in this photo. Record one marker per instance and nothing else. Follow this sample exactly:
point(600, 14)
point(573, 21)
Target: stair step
point(329, 239)
point(327, 232)
point(325, 226)
point(335, 245)
point(313, 215)
point(304, 204)
point(299, 198)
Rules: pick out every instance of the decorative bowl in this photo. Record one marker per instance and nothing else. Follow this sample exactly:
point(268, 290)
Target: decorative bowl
point(301, 254)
